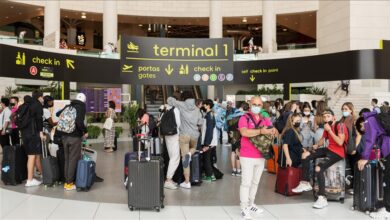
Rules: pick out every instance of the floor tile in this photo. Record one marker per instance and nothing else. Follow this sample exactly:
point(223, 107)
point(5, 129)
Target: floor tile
point(71, 209)
point(169, 212)
point(35, 207)
point(10, 200)
point(205, 212)
point(292, 211)
point(115, 211)
point(336, 210)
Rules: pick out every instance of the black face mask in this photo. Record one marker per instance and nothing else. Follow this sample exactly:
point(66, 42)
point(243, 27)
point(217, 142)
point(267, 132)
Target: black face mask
point(12, 104)
point(297, 124)
point(330, 123)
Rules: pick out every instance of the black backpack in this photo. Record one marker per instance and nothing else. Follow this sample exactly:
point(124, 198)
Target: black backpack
point(168, 124)
point(384, 120)
point(22, 116)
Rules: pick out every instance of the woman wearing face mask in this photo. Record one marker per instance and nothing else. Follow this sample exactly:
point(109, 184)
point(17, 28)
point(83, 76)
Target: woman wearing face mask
point(292, 147)
point(307, 126)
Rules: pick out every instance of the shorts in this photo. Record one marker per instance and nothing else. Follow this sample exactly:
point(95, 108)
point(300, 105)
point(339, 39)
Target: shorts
point(235, 146)
point(32, 144)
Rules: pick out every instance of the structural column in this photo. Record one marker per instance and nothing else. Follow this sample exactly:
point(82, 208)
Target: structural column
point(215, 31)
point(110, 22)
point(52, 24)
point(269, 27)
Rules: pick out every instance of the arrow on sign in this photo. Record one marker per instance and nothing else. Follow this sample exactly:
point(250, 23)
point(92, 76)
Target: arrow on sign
point(69, 64)
point(252, 78)
point(169, 70)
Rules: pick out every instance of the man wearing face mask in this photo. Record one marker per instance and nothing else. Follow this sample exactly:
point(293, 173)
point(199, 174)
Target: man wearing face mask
point(32, 136)
point(334, 152)
point(252, 162)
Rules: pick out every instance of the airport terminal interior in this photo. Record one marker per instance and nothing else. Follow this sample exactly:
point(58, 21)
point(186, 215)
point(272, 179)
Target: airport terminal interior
point(124, 56)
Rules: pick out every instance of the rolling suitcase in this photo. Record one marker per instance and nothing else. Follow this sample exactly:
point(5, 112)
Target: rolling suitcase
point(146, 181)
point(14, 165)
point(195, 169)
point(287, 178)
point(368, 187)
point(272, 165)
point(85, 176)
point(155, 146)
point(50, 167)
point(334, 181)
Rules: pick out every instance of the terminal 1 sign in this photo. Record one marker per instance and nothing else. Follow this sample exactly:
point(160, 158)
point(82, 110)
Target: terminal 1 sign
point(168, 61)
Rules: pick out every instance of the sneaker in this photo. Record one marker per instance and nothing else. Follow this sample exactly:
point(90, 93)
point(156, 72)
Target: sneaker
point(32, 182)
point(380, 214)
point(350, 191)
point(170, 185)
point(321, 203)
point(213, 178)
point(187, 160)
point(253, 208)
point(70, 187)
point(238, 173)
point(234, 173)
point(245, 213)
point(185, 185)
point(207, 179)
point(65, 185)
point(302, 187)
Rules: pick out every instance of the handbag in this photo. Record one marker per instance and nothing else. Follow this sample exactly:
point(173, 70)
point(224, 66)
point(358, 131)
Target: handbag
point(264, 144)
point(108, 123)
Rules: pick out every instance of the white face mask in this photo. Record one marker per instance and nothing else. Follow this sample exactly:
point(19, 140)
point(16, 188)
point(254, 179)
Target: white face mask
point(306, 113)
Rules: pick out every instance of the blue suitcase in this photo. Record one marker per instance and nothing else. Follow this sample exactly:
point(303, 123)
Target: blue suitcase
point(85, 176)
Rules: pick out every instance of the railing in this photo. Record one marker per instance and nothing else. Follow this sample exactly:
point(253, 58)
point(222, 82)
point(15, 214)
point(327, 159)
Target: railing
point(290, 46)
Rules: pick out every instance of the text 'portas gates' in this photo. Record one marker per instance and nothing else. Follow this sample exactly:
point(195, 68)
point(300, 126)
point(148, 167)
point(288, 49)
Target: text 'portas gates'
point(167, 61)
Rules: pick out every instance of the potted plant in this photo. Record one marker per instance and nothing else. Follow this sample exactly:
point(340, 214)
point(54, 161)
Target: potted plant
point(131, 116)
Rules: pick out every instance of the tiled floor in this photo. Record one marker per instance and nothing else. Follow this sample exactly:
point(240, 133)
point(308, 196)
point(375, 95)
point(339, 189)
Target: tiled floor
point(108, 200)
point(16, 205)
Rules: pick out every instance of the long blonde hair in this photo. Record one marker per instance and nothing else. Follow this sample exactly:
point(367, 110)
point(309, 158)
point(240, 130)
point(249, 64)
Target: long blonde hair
point(290, 125)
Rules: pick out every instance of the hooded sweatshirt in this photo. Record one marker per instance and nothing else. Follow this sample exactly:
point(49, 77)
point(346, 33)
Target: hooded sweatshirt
point(190, 116)
point(80, 116)
point(36, 113)
point(374, 134)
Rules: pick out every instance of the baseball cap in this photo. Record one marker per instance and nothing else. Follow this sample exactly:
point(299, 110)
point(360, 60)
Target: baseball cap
point(328, 111)
point(81, 97)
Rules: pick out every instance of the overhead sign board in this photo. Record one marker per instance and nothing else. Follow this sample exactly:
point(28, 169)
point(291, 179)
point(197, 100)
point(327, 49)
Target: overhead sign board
point(168, 61)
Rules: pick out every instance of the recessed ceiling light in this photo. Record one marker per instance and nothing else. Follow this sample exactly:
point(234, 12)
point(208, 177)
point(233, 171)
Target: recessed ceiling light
point(11, 6)
point(66, 16)
point(140, 25)
point(284, 29)
point(296, 22)
point(169, 26)
point(244, 20)
point(19, 13)
point(6, 17)
point(83, 15)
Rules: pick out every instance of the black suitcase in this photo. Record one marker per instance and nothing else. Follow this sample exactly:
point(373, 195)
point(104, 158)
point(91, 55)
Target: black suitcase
point(61, 162)
point(14, 165)
point(50, 167)
point(368, 187)
point(195, 169)
point(146, 181)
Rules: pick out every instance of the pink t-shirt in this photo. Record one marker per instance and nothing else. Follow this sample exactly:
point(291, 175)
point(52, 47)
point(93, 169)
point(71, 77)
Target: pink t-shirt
point(13, 110)
point(145, 119)
point(247, 148)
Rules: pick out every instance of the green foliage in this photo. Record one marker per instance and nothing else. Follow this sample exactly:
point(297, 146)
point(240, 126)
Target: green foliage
point(275, 91)
point(130, 115)
point(93, 131)
point(9, 92)
point(118, 131)
point(54, 88)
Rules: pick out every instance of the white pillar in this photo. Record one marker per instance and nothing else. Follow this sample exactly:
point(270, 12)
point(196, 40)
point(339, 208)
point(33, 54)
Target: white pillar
point(110, 22)
point(269, 27)
point(52, 24)
point(215, 31)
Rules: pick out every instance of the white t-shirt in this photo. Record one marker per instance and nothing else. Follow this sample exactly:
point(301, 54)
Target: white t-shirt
point(46, 114)
point(5, 116)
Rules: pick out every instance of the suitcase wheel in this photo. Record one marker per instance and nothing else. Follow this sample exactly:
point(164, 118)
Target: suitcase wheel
point(353, 208)
point(367, 212)
point(157, 209)
point(162, 206)
point(342, 200)
point(131, 208)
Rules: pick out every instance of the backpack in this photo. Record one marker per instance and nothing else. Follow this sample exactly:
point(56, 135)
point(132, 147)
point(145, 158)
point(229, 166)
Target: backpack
point(280, 123)
point(384, 120)
point(152, 126)
point(262, 142)
point(22, 117)
point(67, 122)
point(350, 137)
point(235, 135)
point(168, 124)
